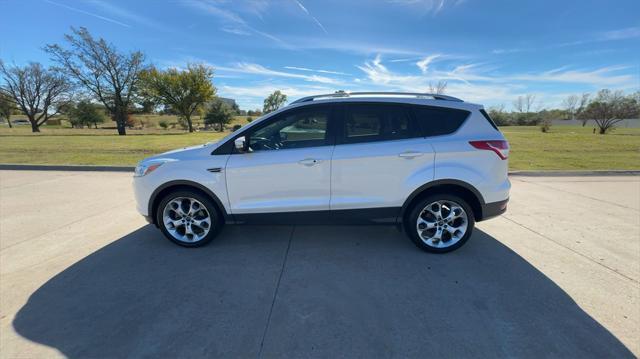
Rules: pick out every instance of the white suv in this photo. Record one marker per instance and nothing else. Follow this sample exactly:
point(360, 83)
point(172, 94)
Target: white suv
point(431, 164)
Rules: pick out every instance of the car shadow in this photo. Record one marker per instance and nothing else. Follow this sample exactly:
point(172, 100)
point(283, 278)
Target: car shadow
point(308, 291)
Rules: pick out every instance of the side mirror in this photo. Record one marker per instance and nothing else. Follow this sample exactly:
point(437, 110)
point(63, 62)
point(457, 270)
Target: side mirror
point(240, 144)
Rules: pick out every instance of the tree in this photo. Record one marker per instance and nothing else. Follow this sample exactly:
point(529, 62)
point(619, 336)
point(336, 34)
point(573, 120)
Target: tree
point(499, 115)
point(37, 91)
point(574, 105)
point(110, 76)
point(610, 107)
point(6, 107)
point(524, 104)
point(524, 114)
point(218, 113)
point(236, 109)
point(85, 113)
point(274, 102)
point(439, 88)
point(148, 106)
point(184, 91)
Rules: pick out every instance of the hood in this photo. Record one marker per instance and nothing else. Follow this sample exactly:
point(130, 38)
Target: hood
point(183, 153)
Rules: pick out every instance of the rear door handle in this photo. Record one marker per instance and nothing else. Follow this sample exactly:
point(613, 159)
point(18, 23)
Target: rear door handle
point(309, 162)
point(410, 154)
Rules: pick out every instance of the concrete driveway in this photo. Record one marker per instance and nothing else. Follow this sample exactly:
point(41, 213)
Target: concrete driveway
point(82, 275)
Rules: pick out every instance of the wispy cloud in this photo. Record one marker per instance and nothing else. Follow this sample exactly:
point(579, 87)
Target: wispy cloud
point(263, 90)
point(121, 12)
point(602, 77)
point(477, 82)
point(620, 34)
point(406, 59)
point(256, 69)
point(81, 11)
point(603, 36)
point(423, 64)
point(508, 51)
point(232, 22)
point(235, 31)
point(313, 70)
point(427, 6)
point(251, 96)
point(380, 74)
point(343, 45)
point(311, 16)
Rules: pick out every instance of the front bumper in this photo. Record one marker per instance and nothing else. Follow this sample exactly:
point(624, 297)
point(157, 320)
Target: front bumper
point(493, 209)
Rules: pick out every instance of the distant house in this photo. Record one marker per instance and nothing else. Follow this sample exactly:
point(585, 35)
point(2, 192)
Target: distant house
point(229, 101)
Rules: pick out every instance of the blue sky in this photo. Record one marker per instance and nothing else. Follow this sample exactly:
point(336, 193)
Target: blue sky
point(488, 51)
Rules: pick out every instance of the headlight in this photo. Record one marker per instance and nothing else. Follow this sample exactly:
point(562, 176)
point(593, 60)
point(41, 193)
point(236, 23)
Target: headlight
point(143, 169)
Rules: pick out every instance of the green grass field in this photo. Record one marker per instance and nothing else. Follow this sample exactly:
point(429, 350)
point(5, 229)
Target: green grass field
point(572, 148)
point(564, 148)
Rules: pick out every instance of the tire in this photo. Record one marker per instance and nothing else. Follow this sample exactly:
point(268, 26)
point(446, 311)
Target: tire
point(443, 235)
point(182, 218)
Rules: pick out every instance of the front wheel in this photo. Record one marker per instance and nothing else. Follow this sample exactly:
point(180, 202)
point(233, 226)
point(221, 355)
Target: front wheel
point(440, 223)
point(188, 218)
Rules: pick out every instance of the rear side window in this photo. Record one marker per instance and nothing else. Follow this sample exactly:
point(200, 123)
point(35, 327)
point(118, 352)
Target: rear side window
point(437, 121)
point(488, 118)
point(377, 122)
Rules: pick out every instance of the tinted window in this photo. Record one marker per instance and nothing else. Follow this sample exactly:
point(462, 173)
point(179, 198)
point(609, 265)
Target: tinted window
point(292, 129)
point(439, 121)
point(373, 122)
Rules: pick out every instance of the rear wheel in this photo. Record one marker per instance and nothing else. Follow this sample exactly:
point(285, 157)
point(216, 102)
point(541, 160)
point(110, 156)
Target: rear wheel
point(188, 218)
point(440, 223)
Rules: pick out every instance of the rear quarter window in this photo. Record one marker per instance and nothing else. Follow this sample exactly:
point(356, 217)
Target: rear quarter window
point(488, 118)
point(437, 121)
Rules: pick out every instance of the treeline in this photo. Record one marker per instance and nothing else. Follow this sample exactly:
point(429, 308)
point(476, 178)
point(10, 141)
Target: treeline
point(605, 109)
point(92, 80)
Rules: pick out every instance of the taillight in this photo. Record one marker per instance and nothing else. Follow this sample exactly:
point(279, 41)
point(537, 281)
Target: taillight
point(501, 147)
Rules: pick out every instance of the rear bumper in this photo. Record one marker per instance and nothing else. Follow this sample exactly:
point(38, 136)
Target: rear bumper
point(493, 209)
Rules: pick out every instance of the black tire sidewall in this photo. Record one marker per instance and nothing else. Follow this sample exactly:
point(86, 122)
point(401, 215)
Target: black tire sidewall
point(211, 208)
point(411, 219)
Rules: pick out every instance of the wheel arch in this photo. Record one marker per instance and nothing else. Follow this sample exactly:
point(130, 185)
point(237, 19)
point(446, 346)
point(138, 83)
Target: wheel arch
point(449, 186)
point(177, 185)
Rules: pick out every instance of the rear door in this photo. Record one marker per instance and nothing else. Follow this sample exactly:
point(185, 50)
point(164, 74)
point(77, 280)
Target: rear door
point(288, 165)
point(380, 157)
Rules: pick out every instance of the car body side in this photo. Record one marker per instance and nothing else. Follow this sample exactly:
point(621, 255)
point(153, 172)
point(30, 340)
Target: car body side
point(448, 162)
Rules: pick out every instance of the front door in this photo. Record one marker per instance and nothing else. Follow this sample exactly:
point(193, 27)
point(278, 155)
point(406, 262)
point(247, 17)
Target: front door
point(287, 167)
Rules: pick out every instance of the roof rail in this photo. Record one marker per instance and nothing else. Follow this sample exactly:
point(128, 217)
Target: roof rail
point(349, 94)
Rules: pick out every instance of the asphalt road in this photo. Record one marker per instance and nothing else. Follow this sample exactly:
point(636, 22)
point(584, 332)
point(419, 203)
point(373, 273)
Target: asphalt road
point(82, 275)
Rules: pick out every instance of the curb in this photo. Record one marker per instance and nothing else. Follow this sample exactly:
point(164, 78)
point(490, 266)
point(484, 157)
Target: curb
point(575, 173)
point(78, 168)
point(16, 167)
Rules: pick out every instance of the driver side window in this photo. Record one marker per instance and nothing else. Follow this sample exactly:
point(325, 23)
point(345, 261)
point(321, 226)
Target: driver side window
point(292, 129)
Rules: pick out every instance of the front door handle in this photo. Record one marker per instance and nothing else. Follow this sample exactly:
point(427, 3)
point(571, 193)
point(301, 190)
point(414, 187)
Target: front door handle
point(309, 162)
point(410, 154)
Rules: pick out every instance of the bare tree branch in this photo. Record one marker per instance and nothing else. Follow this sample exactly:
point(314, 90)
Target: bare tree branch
point(110, 76)
point(37, 91)
point(439, 88)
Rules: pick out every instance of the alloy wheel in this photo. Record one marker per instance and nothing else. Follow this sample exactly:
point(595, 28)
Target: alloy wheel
point(442, 224)
point(187, 219)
